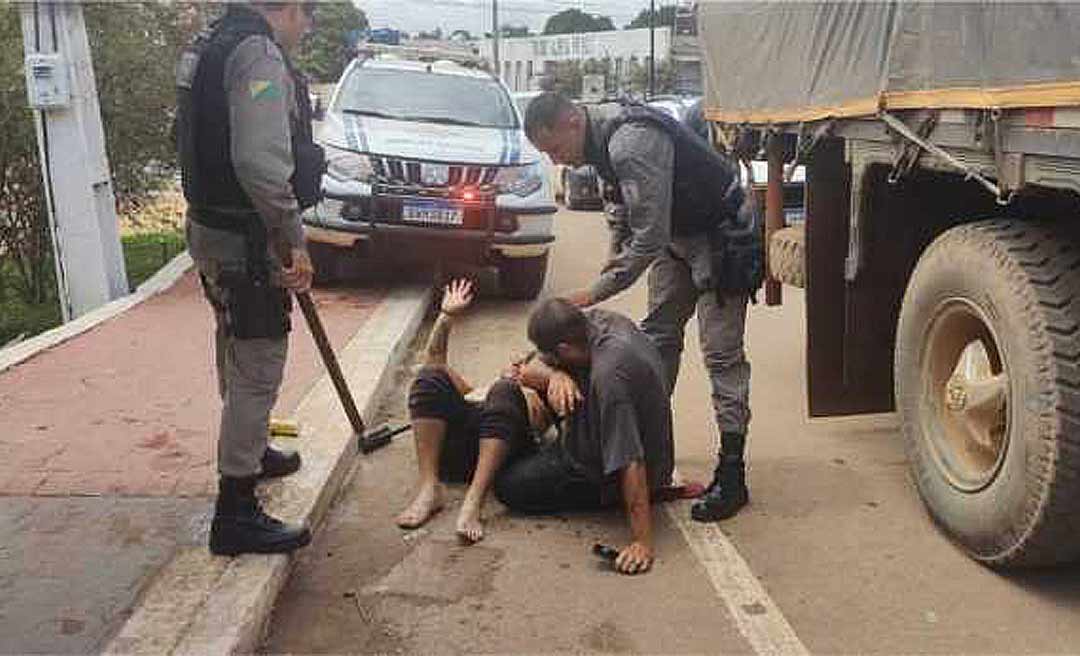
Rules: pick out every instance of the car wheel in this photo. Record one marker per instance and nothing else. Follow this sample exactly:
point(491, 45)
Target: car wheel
point(988, 389)
point(523, 278)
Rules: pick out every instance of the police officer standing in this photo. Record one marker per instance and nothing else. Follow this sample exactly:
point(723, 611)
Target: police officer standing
point(675, 205)
point(249, 167)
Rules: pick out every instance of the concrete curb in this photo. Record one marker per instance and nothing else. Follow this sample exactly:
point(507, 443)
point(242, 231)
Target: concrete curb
point(166, 277)
point(202, 604)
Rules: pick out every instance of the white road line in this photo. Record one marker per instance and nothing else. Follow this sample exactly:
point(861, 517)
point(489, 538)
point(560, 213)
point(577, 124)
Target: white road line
point(755, 614)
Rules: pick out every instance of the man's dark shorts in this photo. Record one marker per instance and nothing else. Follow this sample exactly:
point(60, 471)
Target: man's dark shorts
point(534, 479)
point(503, 415)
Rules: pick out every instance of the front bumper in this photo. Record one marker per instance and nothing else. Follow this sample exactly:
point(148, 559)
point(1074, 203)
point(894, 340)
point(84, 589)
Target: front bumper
point(349, 217)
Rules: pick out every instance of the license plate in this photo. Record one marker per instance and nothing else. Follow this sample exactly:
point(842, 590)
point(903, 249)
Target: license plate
point(432, 212)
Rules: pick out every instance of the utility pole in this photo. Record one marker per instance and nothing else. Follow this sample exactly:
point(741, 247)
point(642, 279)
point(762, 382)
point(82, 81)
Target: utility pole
point(652, 50)
point(71, 145)
point(495, 37)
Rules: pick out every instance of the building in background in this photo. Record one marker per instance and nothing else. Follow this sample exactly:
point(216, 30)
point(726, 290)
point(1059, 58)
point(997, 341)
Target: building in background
point(686, 51)
point(526, 60)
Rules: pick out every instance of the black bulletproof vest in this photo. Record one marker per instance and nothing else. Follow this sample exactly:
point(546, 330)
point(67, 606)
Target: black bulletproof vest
point(203, 135)
point(705, 189)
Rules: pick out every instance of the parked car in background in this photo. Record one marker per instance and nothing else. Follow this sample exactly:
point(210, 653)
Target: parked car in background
point(581, 187)
point(427, 162)
point(675, 106)
point(794, 188)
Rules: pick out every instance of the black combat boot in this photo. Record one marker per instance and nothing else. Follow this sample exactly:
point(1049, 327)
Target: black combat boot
point(241, 526)
point(277, 463)
point(727, 493)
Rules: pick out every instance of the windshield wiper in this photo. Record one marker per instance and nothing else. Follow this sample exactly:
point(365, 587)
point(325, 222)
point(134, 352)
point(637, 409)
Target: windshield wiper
point(376, 114)
point(446, 120)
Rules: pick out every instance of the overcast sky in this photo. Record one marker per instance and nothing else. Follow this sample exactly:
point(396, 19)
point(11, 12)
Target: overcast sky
point(475, 15)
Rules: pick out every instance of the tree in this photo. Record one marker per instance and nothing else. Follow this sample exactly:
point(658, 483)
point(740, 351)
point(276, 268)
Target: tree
point(328, 50)
point(666, 76)
point(135, 47)
point(461, 35)
point(24, 230)
point(664, 17)
point(515, 30)
point(573, 21)
point(435, 34)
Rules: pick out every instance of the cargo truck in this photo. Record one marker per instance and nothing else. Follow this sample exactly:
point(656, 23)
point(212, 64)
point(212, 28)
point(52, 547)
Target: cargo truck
point(939, 253)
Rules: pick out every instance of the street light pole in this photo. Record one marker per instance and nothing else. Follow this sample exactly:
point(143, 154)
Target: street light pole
point(495, 36)
point(652, 49)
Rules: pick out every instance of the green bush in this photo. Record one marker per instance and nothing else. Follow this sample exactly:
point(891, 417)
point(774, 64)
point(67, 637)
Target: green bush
point(144, 254)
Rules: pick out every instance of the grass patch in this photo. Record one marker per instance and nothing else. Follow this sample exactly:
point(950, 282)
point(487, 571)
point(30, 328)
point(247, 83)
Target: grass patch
point(19, 320)
point(144, 254)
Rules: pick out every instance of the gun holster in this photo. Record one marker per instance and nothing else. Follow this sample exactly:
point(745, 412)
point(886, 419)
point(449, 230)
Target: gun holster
point(737, 264)
point(255, 309)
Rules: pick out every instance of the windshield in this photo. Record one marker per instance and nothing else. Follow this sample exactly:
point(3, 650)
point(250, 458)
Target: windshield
point(427, 97)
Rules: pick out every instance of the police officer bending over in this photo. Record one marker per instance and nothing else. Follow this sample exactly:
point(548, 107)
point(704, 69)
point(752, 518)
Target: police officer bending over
point(249, 167)
point(675, 205)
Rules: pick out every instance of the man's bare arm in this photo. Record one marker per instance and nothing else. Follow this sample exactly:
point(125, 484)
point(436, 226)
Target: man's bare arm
point(562, 392)
point(438, 344)
point(638, 556)
point(535, 374)
point(456, 297)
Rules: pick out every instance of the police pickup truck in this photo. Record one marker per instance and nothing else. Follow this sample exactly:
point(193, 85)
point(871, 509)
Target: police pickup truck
point(427, 161)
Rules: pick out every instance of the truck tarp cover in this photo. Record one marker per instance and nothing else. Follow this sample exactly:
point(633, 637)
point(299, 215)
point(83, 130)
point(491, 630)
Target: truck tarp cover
point(787, 61)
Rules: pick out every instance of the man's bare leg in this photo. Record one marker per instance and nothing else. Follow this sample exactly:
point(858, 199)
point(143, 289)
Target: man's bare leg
point(429, 434)
point(470, 525)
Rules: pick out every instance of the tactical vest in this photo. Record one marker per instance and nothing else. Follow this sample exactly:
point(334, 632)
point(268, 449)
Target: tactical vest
point(705, 187)
point(203, 135)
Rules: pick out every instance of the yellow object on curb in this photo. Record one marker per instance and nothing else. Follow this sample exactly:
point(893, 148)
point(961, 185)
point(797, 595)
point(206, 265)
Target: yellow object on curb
point(284, 428)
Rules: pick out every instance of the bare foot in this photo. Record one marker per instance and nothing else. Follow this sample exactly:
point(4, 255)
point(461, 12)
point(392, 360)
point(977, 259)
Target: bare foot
point(428, 501)
point(470, 528)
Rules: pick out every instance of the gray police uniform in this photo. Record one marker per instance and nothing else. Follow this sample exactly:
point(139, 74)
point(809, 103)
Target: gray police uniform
point(642, 157)
point(262, 109)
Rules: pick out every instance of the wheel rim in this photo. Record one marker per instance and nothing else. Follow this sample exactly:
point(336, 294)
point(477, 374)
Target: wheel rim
point(965, 396)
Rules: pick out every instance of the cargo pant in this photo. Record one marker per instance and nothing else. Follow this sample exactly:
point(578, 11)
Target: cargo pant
point(678, 286)
point(249, 371)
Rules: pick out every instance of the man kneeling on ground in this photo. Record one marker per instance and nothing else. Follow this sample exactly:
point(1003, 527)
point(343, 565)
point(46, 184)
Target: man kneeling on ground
point(618, 439)
point(459, 439)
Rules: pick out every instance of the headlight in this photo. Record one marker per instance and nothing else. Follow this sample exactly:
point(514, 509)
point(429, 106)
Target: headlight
point(346, 165)
point(520, 180)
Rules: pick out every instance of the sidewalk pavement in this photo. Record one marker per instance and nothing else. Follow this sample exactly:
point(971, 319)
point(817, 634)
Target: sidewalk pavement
point(107, 458)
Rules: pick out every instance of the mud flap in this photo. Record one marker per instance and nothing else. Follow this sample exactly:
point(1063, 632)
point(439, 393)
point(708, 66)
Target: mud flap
point(850, 327)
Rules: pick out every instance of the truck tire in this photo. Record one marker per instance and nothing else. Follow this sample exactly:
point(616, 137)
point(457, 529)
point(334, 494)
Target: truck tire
point(787, 259)
point(987, 368)
point(523, 278)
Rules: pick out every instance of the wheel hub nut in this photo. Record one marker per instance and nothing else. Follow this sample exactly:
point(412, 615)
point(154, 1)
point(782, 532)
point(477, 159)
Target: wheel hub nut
point(955, 396)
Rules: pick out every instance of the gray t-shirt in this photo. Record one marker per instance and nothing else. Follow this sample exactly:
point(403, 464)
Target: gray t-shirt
point(626, 414)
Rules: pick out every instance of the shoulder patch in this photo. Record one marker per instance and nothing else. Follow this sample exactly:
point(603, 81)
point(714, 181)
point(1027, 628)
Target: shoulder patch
point(186, 67)
point(264, 90)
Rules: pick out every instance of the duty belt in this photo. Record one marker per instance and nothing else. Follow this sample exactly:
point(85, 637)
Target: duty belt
point(244, 222)
point(237, 221)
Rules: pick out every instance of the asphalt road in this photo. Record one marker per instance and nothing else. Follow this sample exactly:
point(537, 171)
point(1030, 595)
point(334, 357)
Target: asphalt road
point(834, 554)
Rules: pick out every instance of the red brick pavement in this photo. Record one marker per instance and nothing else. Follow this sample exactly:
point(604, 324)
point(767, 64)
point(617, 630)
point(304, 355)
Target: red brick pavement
point(131, 407)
